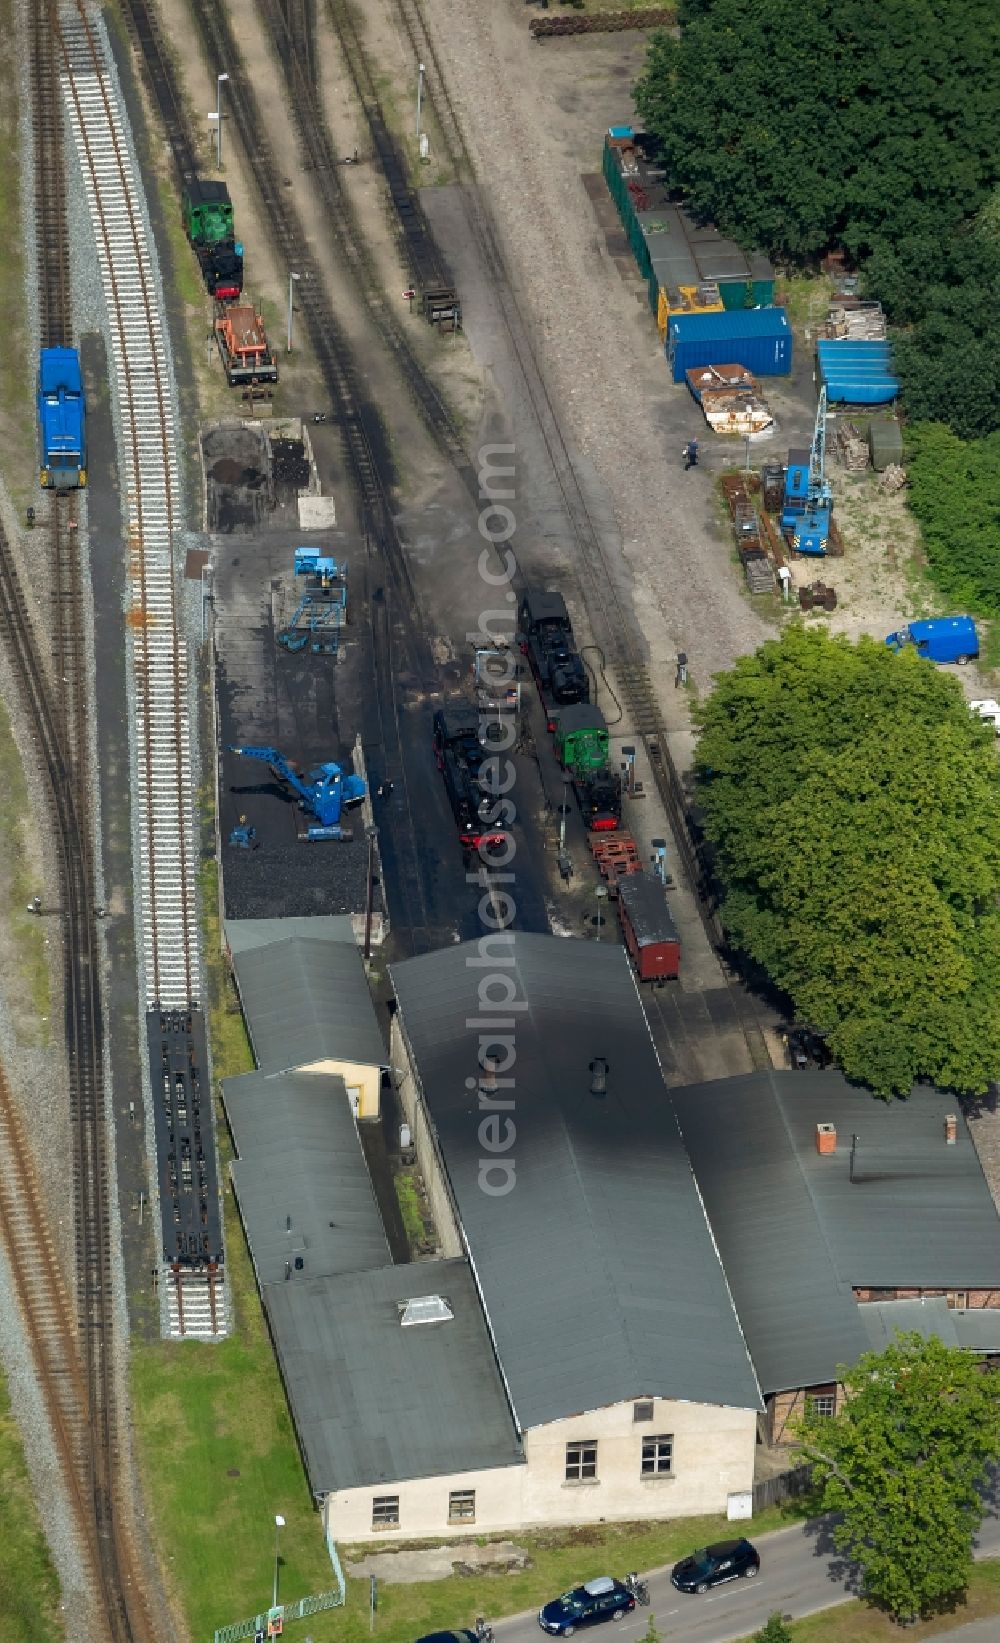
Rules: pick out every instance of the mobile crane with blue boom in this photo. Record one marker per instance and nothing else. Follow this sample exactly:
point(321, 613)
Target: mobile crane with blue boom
point(808, 502)
point(323, 793)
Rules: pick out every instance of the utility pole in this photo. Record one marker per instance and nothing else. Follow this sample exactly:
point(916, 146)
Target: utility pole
point(371, 834)
point(219, 78)
point(292, 279)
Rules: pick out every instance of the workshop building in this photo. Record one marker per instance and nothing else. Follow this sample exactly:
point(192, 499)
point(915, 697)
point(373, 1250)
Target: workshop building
point(307, 1003)
point(841, 1219)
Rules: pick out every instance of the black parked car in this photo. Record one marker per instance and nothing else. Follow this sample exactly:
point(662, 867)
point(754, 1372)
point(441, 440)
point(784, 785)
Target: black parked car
point(601, 1599)
point(806, 1048)
point(726, 1560)
point(461, 1636)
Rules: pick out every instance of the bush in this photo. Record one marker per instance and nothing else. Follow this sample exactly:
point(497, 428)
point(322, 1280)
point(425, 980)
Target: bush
point(955, 495)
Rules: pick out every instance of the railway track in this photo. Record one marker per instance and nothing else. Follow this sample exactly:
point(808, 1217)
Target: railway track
point(71, 1337)
point(288, 26)
point(162, 802)
point(417, 245)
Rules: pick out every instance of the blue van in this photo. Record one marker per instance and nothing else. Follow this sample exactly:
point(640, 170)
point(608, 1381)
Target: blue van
point(939, 638)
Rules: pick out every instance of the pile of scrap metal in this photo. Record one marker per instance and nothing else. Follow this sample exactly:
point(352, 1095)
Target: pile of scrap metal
point(730, 400)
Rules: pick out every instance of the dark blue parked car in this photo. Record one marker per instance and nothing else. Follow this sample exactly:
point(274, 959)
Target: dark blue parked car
point(601, 1599)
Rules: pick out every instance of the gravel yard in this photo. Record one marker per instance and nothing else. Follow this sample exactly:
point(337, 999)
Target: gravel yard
point(595, 338)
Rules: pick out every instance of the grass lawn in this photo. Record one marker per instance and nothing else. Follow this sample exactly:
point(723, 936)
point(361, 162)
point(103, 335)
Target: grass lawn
point(854, 1623)
point(28, 982)
point(29, 1590)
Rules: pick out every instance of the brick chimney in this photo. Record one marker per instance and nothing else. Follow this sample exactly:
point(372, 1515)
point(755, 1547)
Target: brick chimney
point(951, 1129)
point(826, 1138)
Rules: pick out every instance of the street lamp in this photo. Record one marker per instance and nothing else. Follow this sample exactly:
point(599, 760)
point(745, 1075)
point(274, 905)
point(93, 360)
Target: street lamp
point(601, 893)
point(292, 278)
point(218, 117)
point(421, 71)
point(279, 1524)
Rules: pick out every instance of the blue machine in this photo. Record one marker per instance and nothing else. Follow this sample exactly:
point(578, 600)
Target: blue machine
point(243, 836)
point(62, 420)
point(808, 500)
point(322, 608)
point(939, 638)
point(323, 793)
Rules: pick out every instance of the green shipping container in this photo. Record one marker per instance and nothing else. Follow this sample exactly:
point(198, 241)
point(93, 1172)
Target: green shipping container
point(736, 294)
point(885, 442)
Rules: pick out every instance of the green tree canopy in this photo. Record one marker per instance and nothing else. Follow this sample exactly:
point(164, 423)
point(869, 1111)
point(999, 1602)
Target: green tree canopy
point(799, 127)
point(955, 494)
point(854, 806)
point(904, 1462)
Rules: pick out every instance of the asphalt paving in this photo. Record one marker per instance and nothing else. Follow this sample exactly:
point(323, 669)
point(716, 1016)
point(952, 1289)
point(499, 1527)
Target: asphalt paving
point(800, 1573)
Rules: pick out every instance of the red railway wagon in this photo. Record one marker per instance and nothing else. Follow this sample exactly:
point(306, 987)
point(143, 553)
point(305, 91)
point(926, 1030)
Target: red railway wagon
point(648, 927)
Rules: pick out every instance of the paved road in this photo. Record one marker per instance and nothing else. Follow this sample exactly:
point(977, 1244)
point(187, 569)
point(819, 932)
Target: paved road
point(800, 1573)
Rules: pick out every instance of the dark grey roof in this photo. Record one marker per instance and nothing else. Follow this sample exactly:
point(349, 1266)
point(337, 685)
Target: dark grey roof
point(795, 1233)
point(598, 1271)
point(245, 933)
point(374, 1402)
point(644, 899)
point(306, 1000)
point(300, 1162)
point(975, 1328)
point(883, 1320)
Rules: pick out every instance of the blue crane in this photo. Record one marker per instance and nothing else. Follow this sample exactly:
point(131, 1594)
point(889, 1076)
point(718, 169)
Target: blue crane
point(322, 793)
point(808, 502)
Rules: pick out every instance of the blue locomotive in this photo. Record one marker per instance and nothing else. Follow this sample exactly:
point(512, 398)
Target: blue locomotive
point(62, 420)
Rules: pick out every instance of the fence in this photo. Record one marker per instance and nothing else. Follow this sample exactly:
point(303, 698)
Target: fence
point(784, 1486)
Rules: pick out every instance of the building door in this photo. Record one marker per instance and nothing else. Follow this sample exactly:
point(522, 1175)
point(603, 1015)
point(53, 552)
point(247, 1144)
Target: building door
point(354, 1092)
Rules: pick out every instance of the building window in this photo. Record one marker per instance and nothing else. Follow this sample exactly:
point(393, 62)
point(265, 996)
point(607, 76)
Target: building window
point(823, 1403)
point(657, 1456)
point(958, 1298)
point(581, 1462)
point(385, 1512)
point(462, 1506)
point(643, 1411)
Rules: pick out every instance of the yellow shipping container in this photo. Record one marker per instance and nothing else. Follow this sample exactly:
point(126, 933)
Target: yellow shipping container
point(691, 299)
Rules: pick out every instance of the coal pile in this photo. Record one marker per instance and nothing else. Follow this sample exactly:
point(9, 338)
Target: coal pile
point(289, 469)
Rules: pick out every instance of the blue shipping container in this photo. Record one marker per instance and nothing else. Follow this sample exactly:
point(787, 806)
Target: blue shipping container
point(759, 338)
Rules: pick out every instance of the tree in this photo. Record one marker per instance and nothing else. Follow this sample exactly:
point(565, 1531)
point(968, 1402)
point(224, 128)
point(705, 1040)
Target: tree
point(949, 363)
point(954, 492)
point(799, 127)
point(775, 1631)
point(904, 1462)
point(853, 803)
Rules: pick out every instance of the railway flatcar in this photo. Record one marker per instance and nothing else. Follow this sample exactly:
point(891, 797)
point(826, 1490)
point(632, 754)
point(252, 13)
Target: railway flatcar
point(62, 420)
point(210, 227)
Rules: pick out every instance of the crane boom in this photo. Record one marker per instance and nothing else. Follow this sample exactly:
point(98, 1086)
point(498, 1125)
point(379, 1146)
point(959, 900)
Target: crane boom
point(322, 792)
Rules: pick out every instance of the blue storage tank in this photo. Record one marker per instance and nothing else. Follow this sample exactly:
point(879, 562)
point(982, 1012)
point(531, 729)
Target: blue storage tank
point(759, 338)
point(857, 373)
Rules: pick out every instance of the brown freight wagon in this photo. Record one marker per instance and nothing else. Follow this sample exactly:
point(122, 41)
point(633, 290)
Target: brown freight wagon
point(648, 927)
